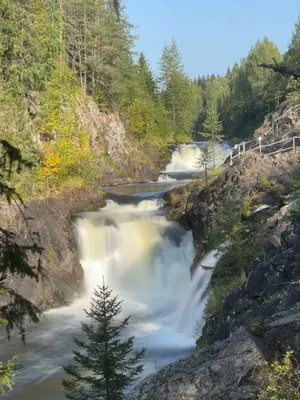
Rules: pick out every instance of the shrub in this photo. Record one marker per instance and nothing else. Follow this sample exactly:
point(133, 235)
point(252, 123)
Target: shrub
point(269, 185)
point(280, 380)
point(245, 245)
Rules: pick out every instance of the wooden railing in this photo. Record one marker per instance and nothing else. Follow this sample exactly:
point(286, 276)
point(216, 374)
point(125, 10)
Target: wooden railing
point(275, 121)
point(288, 145)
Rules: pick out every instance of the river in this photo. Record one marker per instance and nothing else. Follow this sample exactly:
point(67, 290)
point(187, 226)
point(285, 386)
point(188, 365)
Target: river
point(146, 260)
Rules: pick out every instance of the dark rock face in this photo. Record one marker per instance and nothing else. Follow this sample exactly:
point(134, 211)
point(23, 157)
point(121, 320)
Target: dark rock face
point(50, 219)
point(218, 372)
point(198, 209)
point(268, 302)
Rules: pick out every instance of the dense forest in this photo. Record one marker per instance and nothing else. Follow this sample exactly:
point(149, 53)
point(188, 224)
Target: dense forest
point(54, 51)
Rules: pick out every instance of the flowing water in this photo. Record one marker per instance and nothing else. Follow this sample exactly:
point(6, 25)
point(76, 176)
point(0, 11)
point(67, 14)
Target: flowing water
point(184, 160)
point(146, 260)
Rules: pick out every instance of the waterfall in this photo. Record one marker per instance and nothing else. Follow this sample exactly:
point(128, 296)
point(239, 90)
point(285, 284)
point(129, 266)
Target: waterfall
point(146, 260)
point(184, 160)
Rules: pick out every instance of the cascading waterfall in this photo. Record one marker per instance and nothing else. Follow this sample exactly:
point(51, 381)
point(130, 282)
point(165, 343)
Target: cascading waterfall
point(184, 160)
point(146, 260)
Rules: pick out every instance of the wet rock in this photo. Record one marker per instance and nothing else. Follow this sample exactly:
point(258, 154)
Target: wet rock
point(217, 372)
point(282, 331)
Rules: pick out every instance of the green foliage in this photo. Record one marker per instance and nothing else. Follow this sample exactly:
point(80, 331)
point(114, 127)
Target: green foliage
point(212, 124)
point(98, 46)
point(15, 256)
point(218, 292)
point(6, 373)
point(295, 208)
point(292, 55)
point(179, 95)
point(29, 43)
point(296, 189)
point(269, 185)
point(106, 365)
point(246, 94)
point(244, 244)
point(206, 159)
point(280, 380)
point(66, 152)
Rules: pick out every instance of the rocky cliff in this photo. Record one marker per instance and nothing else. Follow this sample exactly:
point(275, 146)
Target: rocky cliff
point(196, 206)
point(122, 160)
point(49, 220)
point(260, 319)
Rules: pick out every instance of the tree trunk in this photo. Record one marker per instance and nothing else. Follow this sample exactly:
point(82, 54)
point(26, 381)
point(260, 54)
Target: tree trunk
point(85, 47)
point(61, 30)
point(213, 150)
point(206, 175)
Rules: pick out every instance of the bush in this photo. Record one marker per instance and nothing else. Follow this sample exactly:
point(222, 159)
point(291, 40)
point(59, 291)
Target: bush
point(280, 380)
point(245, 245)
point(269, 185)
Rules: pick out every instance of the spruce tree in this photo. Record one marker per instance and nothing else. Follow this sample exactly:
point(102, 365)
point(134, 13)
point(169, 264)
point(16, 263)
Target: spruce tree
point(206, 159)
point(212, 124)
point(106, 365)
point(179, 95)
point(16, 255)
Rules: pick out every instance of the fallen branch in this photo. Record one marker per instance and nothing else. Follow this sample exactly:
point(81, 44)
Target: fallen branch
point(281, 69)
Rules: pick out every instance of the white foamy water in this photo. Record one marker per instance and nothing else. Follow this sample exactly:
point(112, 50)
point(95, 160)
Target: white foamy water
point(166, 178)
point(183, 164)
point(146, 260)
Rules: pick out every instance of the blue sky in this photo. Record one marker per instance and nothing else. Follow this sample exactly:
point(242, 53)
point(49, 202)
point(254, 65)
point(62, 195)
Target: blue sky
point(211, 34)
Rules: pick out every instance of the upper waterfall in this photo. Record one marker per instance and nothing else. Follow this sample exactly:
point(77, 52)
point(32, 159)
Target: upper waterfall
point(184, 160)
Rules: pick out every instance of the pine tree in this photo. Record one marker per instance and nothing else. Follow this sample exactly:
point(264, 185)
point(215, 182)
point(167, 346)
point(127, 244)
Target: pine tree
point(106, 365)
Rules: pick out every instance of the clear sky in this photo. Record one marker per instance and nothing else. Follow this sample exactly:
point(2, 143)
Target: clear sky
point(211, 34)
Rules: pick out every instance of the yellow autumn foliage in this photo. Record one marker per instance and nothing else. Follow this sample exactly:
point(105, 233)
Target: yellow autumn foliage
point(280, 380)
point(51, 165)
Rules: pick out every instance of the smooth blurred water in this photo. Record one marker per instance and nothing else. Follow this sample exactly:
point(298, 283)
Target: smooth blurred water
point(146, 260)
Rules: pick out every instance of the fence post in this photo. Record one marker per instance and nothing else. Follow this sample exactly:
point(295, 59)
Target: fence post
point(259, 139)
point(244, 147)
point(231, 155)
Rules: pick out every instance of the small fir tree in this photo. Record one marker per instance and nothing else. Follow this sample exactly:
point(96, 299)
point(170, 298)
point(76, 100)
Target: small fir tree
point(213, 126)
point(106, 365)
point(205, 160)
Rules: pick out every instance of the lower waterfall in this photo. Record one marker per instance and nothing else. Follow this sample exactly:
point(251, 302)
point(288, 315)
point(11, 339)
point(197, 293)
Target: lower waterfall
point(146, 260)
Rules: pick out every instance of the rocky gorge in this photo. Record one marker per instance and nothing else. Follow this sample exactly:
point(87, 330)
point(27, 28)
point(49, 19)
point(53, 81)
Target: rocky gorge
point(256, 321)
